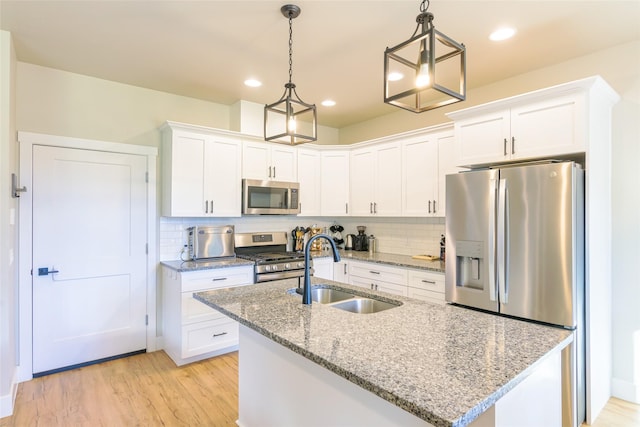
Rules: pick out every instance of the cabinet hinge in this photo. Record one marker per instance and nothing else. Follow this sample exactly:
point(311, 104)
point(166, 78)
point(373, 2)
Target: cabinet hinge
point(146, 320)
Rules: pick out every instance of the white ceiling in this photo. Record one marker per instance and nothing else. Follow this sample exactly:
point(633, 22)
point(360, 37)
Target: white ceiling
point(206, 49)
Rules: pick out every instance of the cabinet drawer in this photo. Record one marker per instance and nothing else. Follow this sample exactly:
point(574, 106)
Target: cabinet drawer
point(195, 281)
point(421, 294)
point(204, 337)
point(196, 311)
point(427, 281)
point(378, 285)
point(378, 272)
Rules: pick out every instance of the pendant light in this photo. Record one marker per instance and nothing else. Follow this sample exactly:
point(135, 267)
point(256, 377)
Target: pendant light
point(290, 120)
point(427, 71)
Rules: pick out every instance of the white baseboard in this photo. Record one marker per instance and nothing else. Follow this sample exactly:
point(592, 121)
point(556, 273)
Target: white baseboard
point(7, 401)
point(625, 390)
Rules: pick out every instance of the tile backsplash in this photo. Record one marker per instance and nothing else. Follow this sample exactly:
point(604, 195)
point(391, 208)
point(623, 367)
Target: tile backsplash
point(404, 236)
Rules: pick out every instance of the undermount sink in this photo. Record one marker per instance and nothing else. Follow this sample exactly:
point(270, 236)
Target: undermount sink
point(347, 301)
point(327, 295)
point(364, 305)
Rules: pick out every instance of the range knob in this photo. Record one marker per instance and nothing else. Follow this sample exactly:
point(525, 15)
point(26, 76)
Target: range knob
point(301, 264)
point(267, 268)
point(287, 266)
point(275, 267)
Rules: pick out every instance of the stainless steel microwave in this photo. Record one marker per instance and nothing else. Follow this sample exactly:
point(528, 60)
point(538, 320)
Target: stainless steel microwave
point(270, 197)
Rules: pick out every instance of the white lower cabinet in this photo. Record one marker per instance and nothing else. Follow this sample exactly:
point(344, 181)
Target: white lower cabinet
point(341, 271)
point(323, 268)
point(192, 330)
point(426, 286)
point(419, 284)
point(378, 277)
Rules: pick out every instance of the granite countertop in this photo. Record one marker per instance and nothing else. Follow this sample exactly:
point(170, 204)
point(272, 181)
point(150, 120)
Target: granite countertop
point(377, 258)
point(184, 266)
point(388, 259)
point(442, 363)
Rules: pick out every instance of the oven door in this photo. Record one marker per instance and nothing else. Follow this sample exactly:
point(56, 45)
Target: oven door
point(270, 197)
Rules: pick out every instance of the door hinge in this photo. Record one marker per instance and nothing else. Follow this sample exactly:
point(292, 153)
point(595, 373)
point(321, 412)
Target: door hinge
point(146, 177)
point(146, 320)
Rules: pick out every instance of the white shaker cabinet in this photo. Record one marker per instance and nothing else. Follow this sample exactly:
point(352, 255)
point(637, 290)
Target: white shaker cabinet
point(323, 268)
point(341, 271)
point(310, 182)
point(334, 187)
point(447, 164)
point(420, 176)
point(269, 161)
point(378, 277)
point(192, 330)
point(520, 128)
point(195, 163)
point(376, 180)
point(426, 286)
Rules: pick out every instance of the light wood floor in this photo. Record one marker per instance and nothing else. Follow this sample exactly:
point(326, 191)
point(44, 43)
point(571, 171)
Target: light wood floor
point(149, 390)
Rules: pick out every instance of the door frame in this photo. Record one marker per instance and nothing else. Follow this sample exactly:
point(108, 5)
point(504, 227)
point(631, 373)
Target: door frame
point(25, 230)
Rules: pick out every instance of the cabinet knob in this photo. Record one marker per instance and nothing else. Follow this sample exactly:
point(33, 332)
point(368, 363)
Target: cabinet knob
point(513, 145)
point(220, 334)
point(505, 147)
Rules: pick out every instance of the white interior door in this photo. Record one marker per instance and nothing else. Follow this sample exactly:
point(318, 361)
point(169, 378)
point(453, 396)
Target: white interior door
point(89, 231)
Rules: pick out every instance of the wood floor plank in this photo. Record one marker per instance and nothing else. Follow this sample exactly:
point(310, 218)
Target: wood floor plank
point(150, 390)
point(146, 389)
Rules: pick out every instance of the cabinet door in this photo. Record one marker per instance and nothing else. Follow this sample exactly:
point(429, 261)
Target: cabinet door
point(484, 139)
point(420, 175)
point(309, 179)
point(362, 181)
point(222, 178)
point(186, 175)
point(334, 193)
point(283, 163)
point(255, 161)
point(447, 161)
point(323, 268)
point(547, 127)
point(341, 271)
point(388, 180)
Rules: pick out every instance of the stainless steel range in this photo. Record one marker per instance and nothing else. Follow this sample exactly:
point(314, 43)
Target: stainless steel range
point(269, 252)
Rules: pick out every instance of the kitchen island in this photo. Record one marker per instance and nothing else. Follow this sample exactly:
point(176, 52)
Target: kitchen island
point(415, 364)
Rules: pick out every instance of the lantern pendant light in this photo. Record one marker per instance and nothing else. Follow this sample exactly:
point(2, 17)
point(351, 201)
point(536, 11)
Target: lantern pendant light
point(290, 120)
point(427, 71)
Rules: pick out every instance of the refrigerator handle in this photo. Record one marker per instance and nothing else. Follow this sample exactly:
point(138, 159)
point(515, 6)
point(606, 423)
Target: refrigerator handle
point(491, 259)
point(502, 240)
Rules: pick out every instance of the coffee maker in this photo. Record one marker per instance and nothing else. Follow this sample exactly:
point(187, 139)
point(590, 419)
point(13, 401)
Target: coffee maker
point(361, 243)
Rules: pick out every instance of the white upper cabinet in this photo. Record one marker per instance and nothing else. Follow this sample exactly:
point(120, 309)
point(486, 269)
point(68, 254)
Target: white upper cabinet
point(447, 161)
point(376, 180)
point(420, 176)
point(268, 161)
point(201, 173)
point(309, 179)
point(544, 123)
point(426, 160)
point(334, 187)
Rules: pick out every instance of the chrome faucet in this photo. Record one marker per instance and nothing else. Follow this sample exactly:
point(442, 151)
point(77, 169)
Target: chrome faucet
point(306, 292)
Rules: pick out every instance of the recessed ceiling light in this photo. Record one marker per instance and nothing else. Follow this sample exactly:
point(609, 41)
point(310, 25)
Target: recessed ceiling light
point(328, 103)
point(253, 83)
point(394, 77)
point(502, 34)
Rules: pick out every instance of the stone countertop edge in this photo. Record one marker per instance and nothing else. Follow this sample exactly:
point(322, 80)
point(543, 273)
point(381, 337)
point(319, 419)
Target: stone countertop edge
point(376, 258)
point(209, 264)
point(389, 259)
point(274, 316)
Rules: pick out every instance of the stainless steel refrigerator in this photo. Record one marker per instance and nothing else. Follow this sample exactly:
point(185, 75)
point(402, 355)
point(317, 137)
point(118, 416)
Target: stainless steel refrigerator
point(515, 246)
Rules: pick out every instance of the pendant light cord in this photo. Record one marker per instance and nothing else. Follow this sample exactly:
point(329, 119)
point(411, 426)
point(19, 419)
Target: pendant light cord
point(290, 46)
